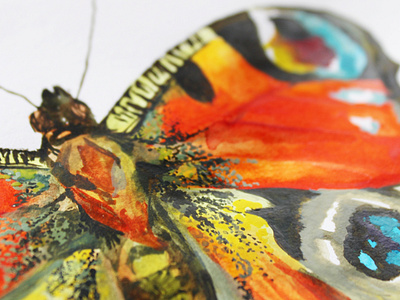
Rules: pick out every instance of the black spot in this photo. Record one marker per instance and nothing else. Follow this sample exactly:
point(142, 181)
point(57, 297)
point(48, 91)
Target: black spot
point(192, 80)
point(290, 29)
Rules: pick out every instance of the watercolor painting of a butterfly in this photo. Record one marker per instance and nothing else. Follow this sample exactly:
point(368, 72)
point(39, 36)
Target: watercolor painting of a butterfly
point(258, 159)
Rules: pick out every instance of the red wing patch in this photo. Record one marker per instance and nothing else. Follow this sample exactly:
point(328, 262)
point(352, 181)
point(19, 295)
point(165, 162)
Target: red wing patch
point(293, 136)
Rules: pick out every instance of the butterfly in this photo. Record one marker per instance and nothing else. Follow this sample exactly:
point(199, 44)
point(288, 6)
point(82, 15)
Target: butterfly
point(256, 160)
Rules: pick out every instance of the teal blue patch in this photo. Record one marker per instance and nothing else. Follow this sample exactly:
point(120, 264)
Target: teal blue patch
point(372, 243)
point(393, 257)
point(352, 59)
point(367, 261)
point(360, 96)
point(366, 124)
point(389, 226)
point(375, 126)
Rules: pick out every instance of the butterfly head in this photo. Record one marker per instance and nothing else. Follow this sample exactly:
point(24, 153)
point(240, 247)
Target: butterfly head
point(61, 117)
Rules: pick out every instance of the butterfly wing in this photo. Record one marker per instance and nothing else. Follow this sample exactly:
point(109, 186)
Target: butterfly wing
point(46, 241)
point(277, 103)
point(276, 87)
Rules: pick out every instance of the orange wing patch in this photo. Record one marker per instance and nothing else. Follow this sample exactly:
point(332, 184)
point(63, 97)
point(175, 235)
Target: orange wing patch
point(300, 135)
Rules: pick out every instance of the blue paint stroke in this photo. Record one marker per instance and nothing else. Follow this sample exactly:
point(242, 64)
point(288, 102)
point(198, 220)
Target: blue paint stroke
point(389, 226)
point(352, 59)
point(367, 261)
point(366, 124)
point(393, 257)
point(372, 243)
point(360, 96)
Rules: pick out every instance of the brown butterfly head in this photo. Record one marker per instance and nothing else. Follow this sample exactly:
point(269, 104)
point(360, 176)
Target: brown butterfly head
point(61, 117)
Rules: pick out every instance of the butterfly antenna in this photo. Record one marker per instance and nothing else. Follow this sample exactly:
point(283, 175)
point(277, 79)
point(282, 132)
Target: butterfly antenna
point(19, 95)
point(89, 50)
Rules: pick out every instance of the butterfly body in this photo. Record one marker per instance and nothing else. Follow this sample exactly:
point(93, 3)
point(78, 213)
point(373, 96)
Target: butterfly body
point(258, 159)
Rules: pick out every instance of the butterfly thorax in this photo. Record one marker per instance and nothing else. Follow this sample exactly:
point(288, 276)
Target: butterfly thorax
point(105, 183)
point(61, 117)
point(101, 176)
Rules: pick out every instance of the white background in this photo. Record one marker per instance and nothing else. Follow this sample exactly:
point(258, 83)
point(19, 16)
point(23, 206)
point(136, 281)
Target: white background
point(43, 43)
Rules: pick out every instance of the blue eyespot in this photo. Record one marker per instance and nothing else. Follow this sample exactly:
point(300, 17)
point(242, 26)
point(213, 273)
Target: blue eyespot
point(372, 243)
